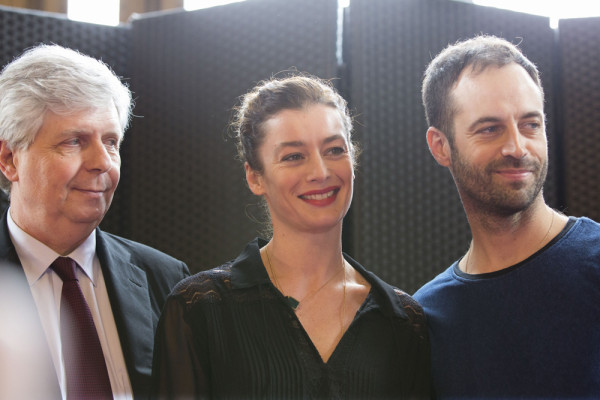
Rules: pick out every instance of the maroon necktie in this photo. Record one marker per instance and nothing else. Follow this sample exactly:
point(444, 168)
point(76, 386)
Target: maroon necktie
point(85, 368)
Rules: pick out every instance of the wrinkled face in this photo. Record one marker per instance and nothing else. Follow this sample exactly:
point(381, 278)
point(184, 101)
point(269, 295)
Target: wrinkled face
point(68, 175)
point(499, 155)
point(308, 174)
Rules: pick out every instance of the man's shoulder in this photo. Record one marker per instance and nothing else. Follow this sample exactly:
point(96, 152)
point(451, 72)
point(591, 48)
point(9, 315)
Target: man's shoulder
point(586, 225)
point(137, 251)
point(580, 236)
point(436, 285)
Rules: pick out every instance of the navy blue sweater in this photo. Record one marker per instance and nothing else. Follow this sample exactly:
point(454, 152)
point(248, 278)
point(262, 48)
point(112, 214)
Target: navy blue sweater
point(528, 331)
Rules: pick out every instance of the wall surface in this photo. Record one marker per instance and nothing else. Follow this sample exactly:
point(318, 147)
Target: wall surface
point(183, 191)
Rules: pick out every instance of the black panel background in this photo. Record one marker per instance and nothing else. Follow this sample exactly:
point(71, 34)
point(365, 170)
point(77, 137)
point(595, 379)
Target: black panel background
point(20, 30)
point(580, 79)
point(189, 195)
point(409, 224)
point(181, 189)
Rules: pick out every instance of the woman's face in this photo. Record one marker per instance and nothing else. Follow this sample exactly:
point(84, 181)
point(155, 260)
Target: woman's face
point(308, 173)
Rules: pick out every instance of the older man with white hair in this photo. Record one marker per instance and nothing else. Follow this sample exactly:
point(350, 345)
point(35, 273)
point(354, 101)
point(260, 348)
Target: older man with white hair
point(98, 296)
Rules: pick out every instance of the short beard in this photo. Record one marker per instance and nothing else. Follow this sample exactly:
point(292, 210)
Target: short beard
point(476, 187)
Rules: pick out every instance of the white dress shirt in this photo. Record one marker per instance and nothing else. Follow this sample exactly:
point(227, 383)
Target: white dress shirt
point(46, 287)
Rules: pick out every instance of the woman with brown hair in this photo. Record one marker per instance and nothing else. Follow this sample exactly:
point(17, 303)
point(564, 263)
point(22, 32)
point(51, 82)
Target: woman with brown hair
point(293, 317)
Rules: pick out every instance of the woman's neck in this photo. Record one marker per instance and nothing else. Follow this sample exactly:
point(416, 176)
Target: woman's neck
point(300, 262)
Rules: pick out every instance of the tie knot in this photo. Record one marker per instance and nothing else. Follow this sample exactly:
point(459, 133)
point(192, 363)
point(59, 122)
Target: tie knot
point(65, 268)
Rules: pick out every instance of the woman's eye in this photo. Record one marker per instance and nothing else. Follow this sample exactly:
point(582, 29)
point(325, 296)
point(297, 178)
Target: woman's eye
point(292, 157)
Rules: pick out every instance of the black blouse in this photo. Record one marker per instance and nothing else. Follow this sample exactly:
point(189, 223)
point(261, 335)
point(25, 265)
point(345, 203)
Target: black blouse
point(228, 333)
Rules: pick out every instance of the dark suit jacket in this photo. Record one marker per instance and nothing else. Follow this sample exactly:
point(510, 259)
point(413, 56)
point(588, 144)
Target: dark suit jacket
point(138, 279)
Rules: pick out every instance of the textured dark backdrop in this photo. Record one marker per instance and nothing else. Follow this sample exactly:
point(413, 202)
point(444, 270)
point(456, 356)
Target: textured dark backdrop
point(182, 190)
point(579, 81)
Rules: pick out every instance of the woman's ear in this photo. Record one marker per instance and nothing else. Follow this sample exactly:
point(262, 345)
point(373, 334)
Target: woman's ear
point(7, 162)
point(439, 146)
point(254, 179)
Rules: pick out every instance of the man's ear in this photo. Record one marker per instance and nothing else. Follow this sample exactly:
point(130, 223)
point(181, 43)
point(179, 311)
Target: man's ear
point(439, 146)
point(254, 179)
point(7, 163)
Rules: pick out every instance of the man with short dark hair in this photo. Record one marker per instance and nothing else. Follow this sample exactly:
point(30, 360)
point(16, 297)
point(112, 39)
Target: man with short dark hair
point(518, 315)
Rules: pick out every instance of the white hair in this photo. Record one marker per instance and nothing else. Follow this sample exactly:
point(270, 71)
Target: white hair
point(54, 78)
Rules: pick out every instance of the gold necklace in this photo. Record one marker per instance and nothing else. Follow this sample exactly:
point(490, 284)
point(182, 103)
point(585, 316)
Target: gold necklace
point(540, 243)
point(292, 302)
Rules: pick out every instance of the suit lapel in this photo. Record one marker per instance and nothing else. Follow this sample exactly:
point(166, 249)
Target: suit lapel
point(7, 249)
point(127, 288)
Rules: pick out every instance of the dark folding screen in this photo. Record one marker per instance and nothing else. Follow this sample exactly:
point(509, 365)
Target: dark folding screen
point(189, 195)
point(408, 221)
point(580, 84)
point(20, 30)
point(181, 188)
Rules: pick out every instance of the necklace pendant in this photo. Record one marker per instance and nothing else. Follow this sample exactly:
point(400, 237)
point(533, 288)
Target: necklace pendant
point(292, 302)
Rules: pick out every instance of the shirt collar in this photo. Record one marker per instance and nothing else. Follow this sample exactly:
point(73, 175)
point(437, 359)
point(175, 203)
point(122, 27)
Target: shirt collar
point(248, 270)
point(389, 302)
point(36, 257)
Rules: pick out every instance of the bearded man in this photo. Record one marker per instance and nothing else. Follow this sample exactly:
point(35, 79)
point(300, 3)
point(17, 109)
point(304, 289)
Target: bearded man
point(517, 316)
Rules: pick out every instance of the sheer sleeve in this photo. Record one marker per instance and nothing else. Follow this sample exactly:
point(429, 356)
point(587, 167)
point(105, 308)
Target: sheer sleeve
point(180, 367)
point(414, 344)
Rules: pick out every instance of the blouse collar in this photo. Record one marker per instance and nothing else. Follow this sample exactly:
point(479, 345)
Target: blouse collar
point(248, 270)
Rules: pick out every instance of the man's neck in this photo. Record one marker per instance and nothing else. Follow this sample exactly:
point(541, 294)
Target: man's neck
point(70, 237)
point(502, 241)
